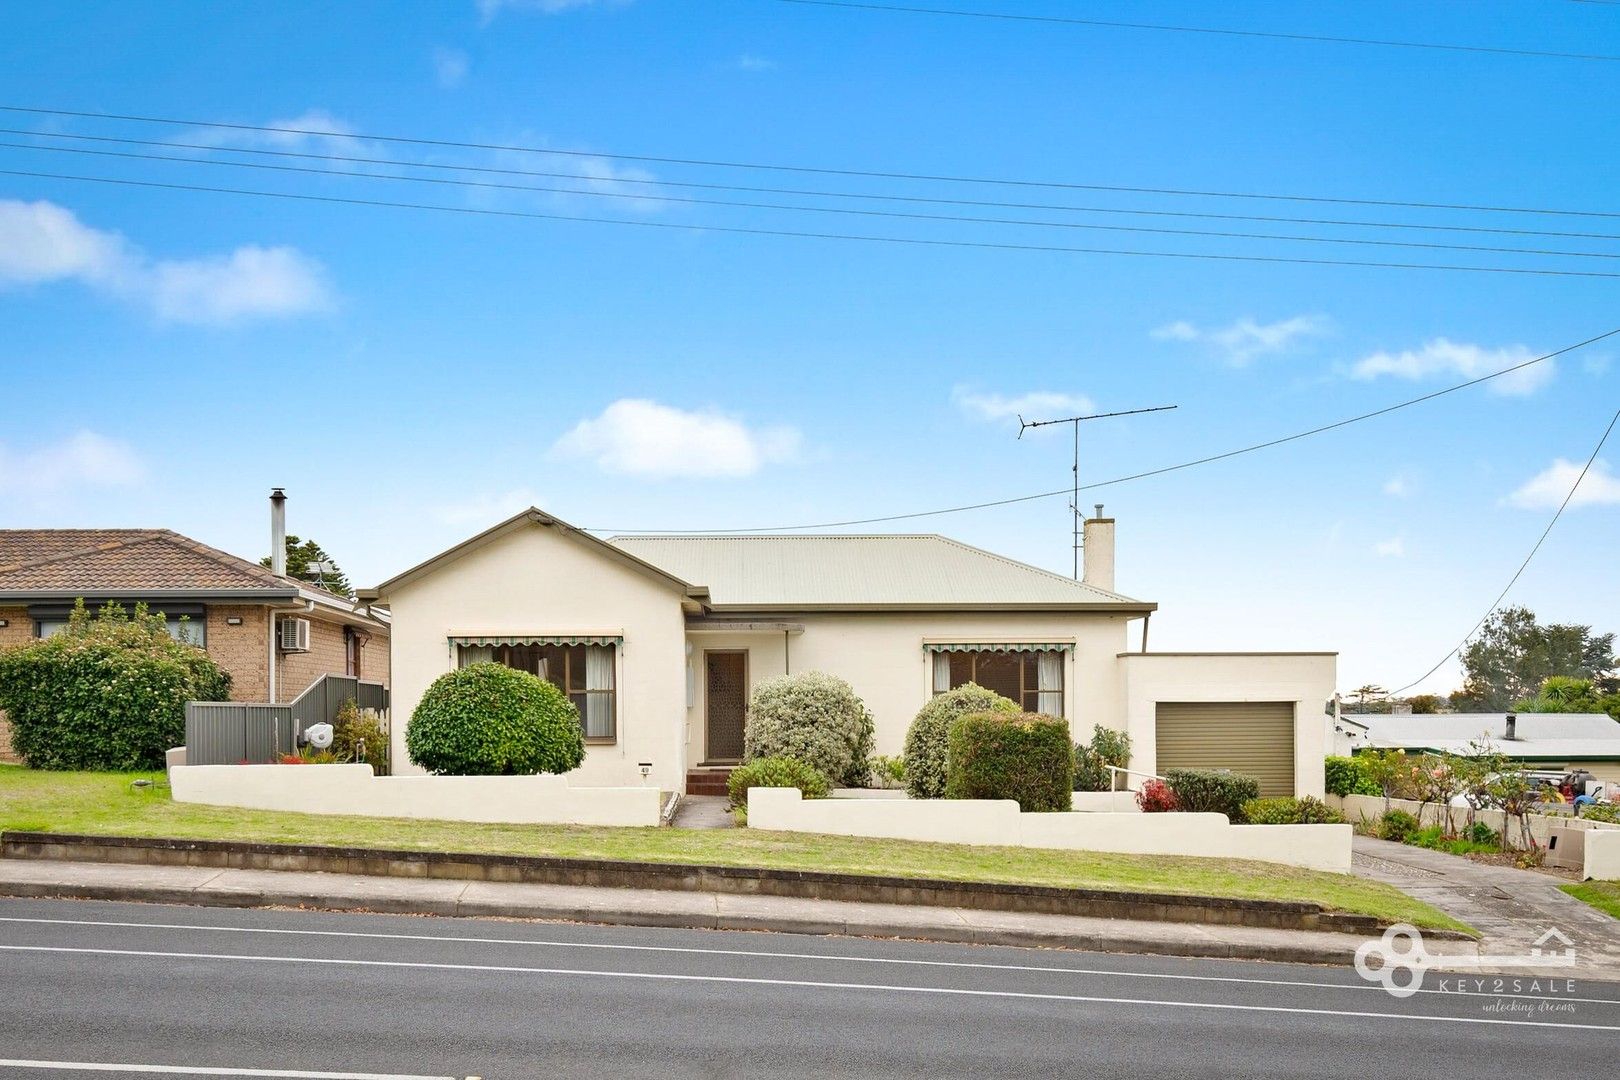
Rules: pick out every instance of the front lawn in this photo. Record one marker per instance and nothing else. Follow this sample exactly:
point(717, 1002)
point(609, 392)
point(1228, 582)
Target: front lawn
point(108, 804)
point(1603, 895)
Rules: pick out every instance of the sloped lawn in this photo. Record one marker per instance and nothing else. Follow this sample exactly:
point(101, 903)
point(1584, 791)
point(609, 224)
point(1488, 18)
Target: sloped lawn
point(109, 804)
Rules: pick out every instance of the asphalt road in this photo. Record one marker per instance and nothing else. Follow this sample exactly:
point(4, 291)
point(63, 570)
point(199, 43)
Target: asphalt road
point(156, 990)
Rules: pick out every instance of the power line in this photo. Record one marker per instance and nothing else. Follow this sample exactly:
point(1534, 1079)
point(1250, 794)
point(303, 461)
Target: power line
point(981, 245)
point(1514, 580)
point(873, 174)
point(1153, 472)
point(1168, 28)
point(808, 192)
point(848, 211)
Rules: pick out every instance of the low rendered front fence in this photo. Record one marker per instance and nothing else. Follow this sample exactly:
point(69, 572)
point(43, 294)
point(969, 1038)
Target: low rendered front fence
point(1000, 822)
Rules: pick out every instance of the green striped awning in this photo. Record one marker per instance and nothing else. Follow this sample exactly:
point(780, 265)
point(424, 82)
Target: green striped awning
point(998, 646)
point(539, 639)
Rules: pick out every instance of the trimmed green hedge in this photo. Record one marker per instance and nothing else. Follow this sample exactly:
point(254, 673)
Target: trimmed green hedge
point(776, 772)
point(492, 720)
point(1306, 810)
point(929, 735)
point(1212, 791)
point(1022, 756)
point(108, 693)
point(815, 718)
point(1348, 776)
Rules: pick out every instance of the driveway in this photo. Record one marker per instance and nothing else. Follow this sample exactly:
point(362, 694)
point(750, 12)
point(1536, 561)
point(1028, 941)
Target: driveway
point(1511, 908)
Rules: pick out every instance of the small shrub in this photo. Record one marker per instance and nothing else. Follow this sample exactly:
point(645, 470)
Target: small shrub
point(360, 738)
point(775, 772)
point(1602, 812)
point(928, 737)
point(814, 717)
point(107, 693)
point(1212, 791)
point(1397, 825)
point(1531, 858)
point(1481, 833)
point(1022, 756)
point(1348, 776)
point(492, 720)
point(1307, 810)
point(1107, 747)
point(1156, 797)
point(888, 771)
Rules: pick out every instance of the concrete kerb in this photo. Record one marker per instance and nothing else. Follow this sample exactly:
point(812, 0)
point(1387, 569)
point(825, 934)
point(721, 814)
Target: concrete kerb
point(687, 878)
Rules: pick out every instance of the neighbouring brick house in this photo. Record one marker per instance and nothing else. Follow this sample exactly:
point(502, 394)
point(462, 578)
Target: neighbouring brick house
point(229, 606)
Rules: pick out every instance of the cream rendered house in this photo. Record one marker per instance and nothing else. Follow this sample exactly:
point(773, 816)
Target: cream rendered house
point(659, 639)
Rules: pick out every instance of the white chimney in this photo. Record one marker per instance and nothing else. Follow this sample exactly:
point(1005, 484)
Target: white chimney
point(1098, 551)
point(278, 532)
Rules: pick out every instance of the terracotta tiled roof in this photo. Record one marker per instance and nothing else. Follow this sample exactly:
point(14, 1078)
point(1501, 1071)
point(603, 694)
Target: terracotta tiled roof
point(108, 560)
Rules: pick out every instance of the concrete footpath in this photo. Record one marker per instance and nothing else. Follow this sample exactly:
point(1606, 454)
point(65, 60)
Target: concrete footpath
point(215, 887)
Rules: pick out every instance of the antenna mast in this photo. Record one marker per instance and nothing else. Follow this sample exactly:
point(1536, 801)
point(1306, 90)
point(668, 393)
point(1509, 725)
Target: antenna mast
point(1074, 500)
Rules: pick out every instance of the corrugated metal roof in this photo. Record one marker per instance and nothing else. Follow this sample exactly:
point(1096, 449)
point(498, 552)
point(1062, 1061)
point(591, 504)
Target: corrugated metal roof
point(1544, 735)
point(860, 571)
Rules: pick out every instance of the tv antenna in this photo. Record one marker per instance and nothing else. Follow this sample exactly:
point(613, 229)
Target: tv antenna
point(1074, 501)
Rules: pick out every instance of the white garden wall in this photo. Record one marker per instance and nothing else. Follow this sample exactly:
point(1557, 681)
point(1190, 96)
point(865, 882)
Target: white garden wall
point(352, 789)
point(1000, 822)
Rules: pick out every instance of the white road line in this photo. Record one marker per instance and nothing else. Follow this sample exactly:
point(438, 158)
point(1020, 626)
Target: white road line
point(204, 1070)
point(812, 984)
point(765, 953)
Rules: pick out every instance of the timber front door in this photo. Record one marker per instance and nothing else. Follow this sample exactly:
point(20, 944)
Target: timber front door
point(726, 703)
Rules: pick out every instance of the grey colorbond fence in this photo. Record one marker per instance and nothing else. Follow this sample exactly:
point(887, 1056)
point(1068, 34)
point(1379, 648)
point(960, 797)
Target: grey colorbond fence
point(231, 732)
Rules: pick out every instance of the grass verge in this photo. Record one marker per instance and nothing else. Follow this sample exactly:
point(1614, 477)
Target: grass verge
point(108, 804)
point(1603, 895)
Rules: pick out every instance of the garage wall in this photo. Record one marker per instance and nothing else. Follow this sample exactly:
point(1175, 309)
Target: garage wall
point(1306, 680)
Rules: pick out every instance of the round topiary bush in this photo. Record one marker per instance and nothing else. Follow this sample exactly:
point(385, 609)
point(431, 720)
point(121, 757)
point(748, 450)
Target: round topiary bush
point(109, 692)
point(929, 733)
point(814, 717)
point(492, 720)
point(1022, 756)
point(776, 772)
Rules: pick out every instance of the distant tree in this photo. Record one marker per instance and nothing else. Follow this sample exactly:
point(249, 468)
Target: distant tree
point(1365, 694)
point(302, 555)
point(1425, 704)
point(1562, 694)
point(1512, 656)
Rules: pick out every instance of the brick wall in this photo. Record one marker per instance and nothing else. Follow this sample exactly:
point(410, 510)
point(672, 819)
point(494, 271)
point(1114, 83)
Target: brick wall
point(374, 659)
point(241, 650)
point(19, 629)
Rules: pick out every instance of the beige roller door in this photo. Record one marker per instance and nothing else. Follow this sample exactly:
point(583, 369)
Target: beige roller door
point(1255, 738)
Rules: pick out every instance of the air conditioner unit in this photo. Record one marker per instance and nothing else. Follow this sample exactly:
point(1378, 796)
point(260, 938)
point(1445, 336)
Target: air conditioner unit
point(293, 635)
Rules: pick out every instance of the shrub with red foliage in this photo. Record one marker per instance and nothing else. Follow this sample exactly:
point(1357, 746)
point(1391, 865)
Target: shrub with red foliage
point(1156, 798)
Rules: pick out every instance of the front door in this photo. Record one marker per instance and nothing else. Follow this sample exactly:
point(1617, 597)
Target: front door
point(725, 703)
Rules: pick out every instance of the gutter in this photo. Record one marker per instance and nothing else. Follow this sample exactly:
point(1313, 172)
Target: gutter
point(304, 607)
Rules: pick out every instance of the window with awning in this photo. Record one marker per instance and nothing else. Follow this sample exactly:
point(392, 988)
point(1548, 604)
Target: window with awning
point(581, 666)
point(1029, 674)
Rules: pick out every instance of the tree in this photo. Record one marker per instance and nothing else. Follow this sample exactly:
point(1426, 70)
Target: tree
point(304, 554)
point(1425, 704)
point(1513, 655)
point(1365, 693)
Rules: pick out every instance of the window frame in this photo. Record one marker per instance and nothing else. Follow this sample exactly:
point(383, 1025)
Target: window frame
point(1029, 692)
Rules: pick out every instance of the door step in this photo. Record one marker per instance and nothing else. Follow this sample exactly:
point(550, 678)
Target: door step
point(707, 781)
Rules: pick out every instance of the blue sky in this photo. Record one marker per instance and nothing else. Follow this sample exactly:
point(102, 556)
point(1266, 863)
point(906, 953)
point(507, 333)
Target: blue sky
point(412, 376)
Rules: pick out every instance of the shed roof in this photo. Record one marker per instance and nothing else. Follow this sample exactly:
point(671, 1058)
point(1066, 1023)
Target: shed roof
point(1540, 735)
point(870, 572)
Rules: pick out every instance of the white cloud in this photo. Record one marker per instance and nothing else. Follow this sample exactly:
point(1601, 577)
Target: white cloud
point(1547, 488)
point(751, 62)
point(638, 437)
point(42, 242)
point(1035, 405)
point(1444, 357)
point(1399, 485)
point(1393, 548)
point(488, 9)
point(1245, 340)
point(486, 508)
point(85, 459)
point(449, 67)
